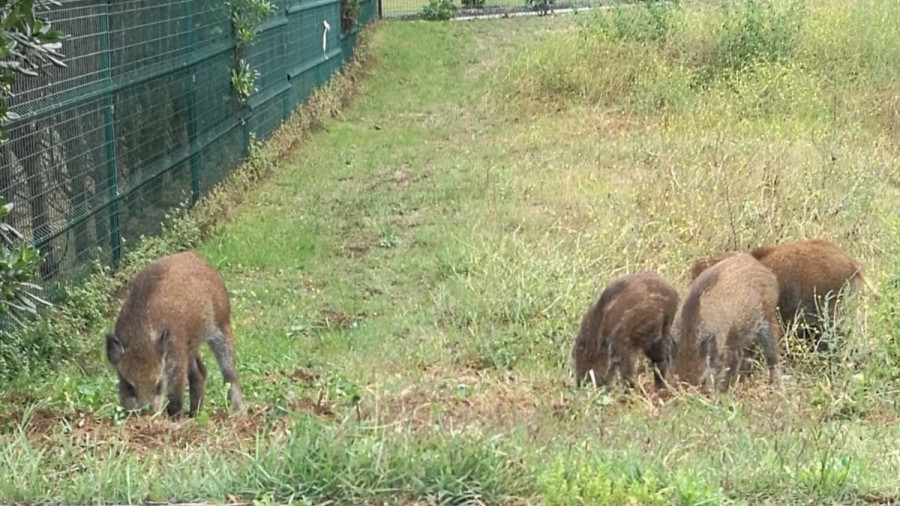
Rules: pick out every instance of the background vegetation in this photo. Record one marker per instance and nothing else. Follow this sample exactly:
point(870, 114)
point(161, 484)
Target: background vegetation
point(28, 44)
point(405, 312)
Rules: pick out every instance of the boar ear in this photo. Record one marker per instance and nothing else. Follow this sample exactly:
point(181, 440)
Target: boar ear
point(162, 344)
point(114, 349)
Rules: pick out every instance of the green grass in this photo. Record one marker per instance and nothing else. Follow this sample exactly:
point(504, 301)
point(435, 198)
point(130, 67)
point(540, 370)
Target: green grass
point(392, 8)
point(398, 8)
point(406, 285)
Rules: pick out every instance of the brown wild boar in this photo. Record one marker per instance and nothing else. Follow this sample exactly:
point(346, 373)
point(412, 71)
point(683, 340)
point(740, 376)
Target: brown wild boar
point(811, 274)
point(174, 304)
point(705, 263)
point(634, 313)
point(729, 306)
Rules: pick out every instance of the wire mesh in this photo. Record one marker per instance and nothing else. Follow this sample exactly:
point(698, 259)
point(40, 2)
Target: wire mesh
point(144, 117)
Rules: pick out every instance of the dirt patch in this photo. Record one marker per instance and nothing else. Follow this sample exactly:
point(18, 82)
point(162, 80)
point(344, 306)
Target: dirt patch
point(400, 178)
point(357, 248)
point(332, 319)
point(304, 375)
point(40, 420)
point(459, 399)
point(407, 220)
point(321, 407)
point(300, 375)
point(143, 434)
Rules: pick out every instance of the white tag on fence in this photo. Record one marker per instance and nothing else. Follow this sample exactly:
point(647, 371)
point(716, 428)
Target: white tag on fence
point(325, 38)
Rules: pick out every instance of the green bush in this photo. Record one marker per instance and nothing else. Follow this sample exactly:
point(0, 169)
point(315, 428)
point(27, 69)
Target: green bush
point(649, 21)
point(542, 6)
point(19, 263)
point(27, 45)
point(758, 30)
point(349, 14)
point(246, 15)
point(438, 10)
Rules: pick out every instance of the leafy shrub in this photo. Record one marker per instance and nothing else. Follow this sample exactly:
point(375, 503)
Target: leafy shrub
point(19, 262)
point(438, 10)
point(758, 30)
point(651, 21)
point(349, 14)
point(542, 6)
point(27, 44)
point(473, 4)
point(245, 18)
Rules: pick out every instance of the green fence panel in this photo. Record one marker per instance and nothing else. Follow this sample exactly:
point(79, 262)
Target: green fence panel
point(144, 118)
point(266, 55)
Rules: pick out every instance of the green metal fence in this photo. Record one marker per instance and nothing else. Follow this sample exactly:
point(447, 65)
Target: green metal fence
point(144, 117)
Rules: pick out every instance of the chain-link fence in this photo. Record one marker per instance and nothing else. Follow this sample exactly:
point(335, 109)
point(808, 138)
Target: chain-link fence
point(144, 116)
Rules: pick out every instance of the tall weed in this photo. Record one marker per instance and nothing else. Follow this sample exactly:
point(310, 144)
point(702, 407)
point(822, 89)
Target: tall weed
point(757, 30)
point(819, 63)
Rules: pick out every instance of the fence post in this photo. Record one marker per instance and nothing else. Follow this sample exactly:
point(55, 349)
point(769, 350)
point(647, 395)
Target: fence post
point(196, 162)
point(112, 181)
point(286, 102)
point(380, 14)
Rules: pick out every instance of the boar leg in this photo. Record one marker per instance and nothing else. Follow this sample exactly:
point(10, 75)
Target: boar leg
point(767, 343)
point(176, 396)
point(709, 352)
point(197, 383)
point(659, 356)
point(222, 344)
point(735, 358)
point(626, 369)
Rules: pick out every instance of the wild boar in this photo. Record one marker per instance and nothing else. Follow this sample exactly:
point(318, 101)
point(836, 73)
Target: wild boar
point(174, 304)
point(633, 313)
point(705, 263)
point(811, 275)
point(729, 306)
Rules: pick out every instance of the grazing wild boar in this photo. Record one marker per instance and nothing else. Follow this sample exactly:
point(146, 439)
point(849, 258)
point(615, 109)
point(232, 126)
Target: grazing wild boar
point(633, 314)
point(705, 263)
point(174, 305)
point(811, 274)
point(729, 306)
